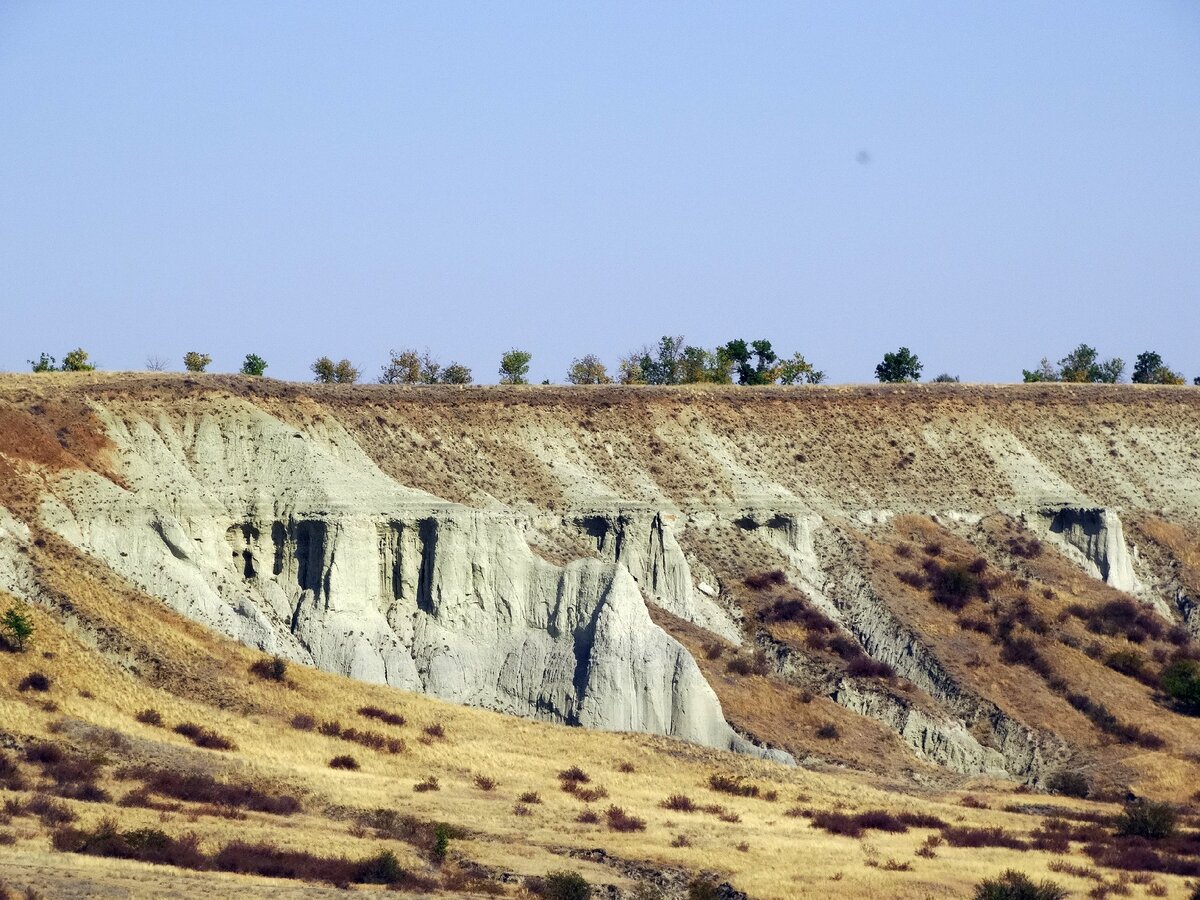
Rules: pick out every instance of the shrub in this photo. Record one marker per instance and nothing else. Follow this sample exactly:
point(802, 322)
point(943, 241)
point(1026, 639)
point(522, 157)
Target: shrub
point(982, 837)
point(435, 731)
point(35, 681)
point(273, 669)
point(150, 717)
point(588, 795)
point(530, 797)
point(626, 767)
point(679, 803)
point(203, 737)
point(484, 783)
point(429, 784)
point(1128, 662)
point(588, 817)
point(829, 732)
point(200, 787)
point(303, 722)
point(145, 844)
point(382, 715)
point(954, 585)
point(619, 820)
point(1014, 885)
point(1181, 682)
point(732, 784)
point(749, 665)
point(50, 812)
point(1069, 784)
point(344, 761)
point(194, 361)
point(881, 820)
point(713, 649)
point(838, 823)
point(1147, 819)
point(764, 580)
point(574, 775)
point(704, 887)
point(564, 886)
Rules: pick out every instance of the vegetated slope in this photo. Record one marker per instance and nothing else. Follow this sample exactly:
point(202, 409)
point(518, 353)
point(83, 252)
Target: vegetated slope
point(920, 583)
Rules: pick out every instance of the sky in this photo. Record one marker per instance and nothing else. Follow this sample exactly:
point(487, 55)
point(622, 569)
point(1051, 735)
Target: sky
point(985, 183)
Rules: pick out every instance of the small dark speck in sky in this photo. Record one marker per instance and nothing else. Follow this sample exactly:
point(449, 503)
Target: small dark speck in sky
point(863, 158)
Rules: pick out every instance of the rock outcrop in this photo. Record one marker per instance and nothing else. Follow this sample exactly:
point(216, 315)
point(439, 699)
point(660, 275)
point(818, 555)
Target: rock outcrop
point(295, 542)
point(1098, 539)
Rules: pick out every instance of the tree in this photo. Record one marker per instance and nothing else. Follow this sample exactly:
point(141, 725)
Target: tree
point(1196, 381)
point(17, 627)
point(403, 367)
point(630, 369)
point(588, 370)
point(1181, 682)
point(798, 370)
point(946, 378)
point(254, 364)
point(899, 367)
point(44, 363)
point(1150, 369)
point(77, 361)
point(1083, 365)
point(456, 373)
point(1044, 372)
point(195, 361)
point(514, 367)
point(327, 371)
point(698, 365)
point(156, 364)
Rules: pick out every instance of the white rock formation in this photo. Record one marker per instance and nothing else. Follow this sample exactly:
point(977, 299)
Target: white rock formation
point(295, 542)
point(1098, 540)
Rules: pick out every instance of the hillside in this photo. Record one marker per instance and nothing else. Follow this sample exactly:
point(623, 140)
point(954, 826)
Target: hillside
point(924, 595)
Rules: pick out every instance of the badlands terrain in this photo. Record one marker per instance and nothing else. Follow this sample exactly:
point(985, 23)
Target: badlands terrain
point(293, 640)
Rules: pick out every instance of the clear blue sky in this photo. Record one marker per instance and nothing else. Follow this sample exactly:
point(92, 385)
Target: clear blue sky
point(304, 178)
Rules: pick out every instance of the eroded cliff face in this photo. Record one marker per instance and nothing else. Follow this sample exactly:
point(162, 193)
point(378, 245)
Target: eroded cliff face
point(401, 537)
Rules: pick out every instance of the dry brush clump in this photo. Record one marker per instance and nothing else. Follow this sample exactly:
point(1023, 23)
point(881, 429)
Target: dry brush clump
point(382, 715)
point(203, 737)
point(619, 820)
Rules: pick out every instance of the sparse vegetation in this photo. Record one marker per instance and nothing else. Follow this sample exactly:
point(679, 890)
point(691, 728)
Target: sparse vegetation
point(1014, 885)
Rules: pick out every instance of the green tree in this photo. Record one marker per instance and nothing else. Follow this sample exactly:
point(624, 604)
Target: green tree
point(697, 365)
point(403, 367)
point(17, 627)
point(195, 361)
point(901, 366)
point(565, 885)
point(327, 371)
point(456, 373)
point(798, 370)
point(514, 367)
point(254, 364)
point(77, 361)
point(631, 369)
point(588, 370)
point(1181, 682)
point(1083, 364)
point(44, 363)
point(1044, 372)
point(1149, 368)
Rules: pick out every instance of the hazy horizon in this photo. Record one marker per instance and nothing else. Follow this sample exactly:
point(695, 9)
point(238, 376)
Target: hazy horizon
point(986, 185)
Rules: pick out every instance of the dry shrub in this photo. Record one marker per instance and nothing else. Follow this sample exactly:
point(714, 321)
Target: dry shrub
point(982, 837)
point(203, 737)
point(150, 717)
point(681, 840)
point(573, 775)
point(733, 784)
point(679, 803)
point(627, 768)
point(382, 715)
point(429, 784)
point(303, 722)
point(345, 761)
point(588, 817)
point(521, 809)
point(749, 665)
point(619, 820)
point(484, 783)
point(829, 732)
point(764, 580)
point(532, 798)
point(35, 681)
point(435, 731)
point(271, 669)
point(589, 795)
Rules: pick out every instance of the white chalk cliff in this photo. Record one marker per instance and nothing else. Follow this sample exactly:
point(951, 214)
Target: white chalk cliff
point(295, 542)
